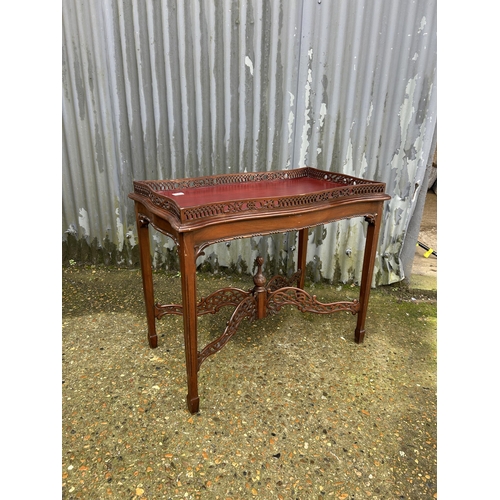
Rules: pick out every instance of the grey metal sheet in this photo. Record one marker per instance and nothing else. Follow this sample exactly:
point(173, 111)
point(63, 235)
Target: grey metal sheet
point(164, 89)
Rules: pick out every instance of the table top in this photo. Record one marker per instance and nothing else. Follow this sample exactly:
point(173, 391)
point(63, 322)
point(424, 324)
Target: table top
point(252, 194)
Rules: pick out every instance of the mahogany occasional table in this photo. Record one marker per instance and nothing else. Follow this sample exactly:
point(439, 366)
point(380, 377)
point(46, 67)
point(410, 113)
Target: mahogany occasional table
point(200, 211)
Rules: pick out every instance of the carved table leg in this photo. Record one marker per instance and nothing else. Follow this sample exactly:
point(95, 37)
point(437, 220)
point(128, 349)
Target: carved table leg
point(302, 254)
point(259, 291)
point(147, 276)
point(187, 259)
point(367, 274)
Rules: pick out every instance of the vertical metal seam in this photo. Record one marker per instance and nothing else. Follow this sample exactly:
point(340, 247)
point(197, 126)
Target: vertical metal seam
point(297, 87)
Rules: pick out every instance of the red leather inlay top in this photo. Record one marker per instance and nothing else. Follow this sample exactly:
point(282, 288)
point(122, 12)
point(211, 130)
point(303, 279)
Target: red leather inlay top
point(194, 197)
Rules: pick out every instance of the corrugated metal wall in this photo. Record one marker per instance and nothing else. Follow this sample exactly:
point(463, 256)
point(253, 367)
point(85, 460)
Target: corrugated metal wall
point(164, 89)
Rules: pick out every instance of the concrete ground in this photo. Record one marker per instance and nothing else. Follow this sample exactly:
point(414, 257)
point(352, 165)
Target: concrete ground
point(424, 269)
point(291, 408)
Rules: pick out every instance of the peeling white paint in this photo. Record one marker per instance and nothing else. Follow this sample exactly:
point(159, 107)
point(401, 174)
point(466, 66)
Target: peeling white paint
point(157, 244)
point(415, 57)
point(249, 63)
point(423, 22)
point(131, 238)
point(304, 146)
point(400, 209)
point(72, 230)
point(307, 110)
point(119, 230)
point(348, 168)
point(406, 109)
point(291, 119)
point(322, 114)
point(83, 221)
point(364, 166)
point(368, 118)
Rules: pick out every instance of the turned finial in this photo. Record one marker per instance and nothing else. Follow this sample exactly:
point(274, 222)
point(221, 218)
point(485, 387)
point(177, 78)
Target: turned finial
point(259, 279)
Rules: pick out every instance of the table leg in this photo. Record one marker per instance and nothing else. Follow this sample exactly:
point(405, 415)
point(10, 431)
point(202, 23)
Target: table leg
point(147, 276)
point(187, 260)
point(302, 254)
point(367, 274)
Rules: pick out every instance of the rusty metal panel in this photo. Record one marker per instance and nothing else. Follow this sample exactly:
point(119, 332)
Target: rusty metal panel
point(165, 88)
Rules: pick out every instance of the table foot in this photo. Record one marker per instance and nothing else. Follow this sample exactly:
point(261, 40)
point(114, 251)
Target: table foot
point(359, 335)
point(193, 404)
point(153, 341)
